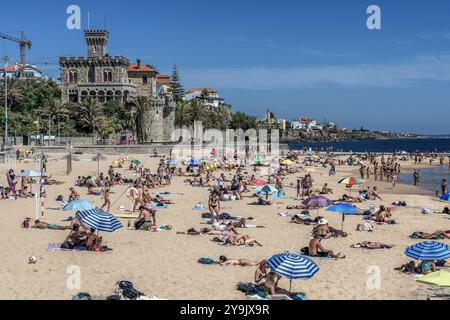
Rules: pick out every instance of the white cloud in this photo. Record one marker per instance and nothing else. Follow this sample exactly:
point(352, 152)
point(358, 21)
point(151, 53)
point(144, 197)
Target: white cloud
point(411, 72)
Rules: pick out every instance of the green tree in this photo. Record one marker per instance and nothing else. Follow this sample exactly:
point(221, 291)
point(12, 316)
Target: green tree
point(181, 113)
point(176, 88)
point(243, 121)
point(15, 93)
point(89, 114)
point(141, 105)
point(53, 109)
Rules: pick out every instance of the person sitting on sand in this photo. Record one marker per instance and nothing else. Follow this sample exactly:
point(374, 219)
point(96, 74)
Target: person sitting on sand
point(374, 194)
point(409, 268)
point(47, 226)
point(76, 237)
point(24, 193)
point(73, 195)
point(224, 261)
point(371, 245)
point(316, 249)
point(431, 236)
point(261, 272)
point(427, 267)
point(323, 229)
point(146, 219)
point(261, 202)
point(326, 189)
point(93, 241)
point(383, 216)
point(270, 287)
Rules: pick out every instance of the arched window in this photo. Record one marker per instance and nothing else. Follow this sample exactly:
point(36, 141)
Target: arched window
point(73, 76)
point(107, 75)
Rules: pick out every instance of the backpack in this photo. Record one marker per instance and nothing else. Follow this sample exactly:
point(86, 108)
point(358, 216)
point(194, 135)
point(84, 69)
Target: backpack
point(25, 224)
point(206, 261)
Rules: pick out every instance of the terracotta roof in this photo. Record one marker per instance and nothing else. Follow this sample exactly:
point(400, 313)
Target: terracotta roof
point(208, 90)
point(10, 68)
point(162, 79)
point(143, 68)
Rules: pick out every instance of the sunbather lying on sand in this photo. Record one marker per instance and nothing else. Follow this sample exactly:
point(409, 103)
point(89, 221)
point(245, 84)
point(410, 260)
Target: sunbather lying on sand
point(372, 245)
point(298, 220)
point(239, 240)
point(348, 199)
point(261, 202)
point(431, 236)
point(316, 249)
point(323, 229)
point(224, 261)
point(47, 226)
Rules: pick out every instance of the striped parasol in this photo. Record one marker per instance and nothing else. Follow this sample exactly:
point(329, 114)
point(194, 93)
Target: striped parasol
point(429, 251)
point(293, 266)
point(99, 220)
point(79, 205)
point(350, 181)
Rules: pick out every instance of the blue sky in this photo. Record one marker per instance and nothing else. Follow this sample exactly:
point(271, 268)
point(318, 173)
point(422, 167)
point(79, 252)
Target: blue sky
point(296, 57)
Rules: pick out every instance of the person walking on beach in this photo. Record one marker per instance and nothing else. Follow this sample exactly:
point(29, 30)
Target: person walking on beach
point(394, 180)
point(444, 187)
point(416, 177)
point(107, 203)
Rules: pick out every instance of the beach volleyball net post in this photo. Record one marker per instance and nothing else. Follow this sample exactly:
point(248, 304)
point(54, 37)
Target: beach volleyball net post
point(69, 163)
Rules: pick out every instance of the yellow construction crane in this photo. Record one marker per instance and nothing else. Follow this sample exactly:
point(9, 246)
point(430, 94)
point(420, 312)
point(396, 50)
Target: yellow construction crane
point(24, 44)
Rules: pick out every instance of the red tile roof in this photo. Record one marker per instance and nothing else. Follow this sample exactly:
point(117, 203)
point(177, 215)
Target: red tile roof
point(162, 79)
point(10, 68)
point(143, 68)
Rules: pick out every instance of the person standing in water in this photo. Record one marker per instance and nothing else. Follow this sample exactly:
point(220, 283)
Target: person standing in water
point(416, 177)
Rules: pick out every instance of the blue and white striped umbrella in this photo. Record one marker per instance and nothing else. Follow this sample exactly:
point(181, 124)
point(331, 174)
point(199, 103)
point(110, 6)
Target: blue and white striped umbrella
point(99, 220)
point(429, 251)
point(30, 174)
point(293, 266)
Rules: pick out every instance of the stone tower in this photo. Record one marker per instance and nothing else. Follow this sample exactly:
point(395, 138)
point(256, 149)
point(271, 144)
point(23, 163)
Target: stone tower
point(97, 42)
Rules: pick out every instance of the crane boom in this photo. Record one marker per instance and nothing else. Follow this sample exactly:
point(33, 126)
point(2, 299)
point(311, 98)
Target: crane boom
point(23, 45)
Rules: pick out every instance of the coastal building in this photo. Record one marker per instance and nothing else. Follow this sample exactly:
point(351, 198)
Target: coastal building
point(208, 96)
point(305, 123)
point(270, 121)
point(30, 72)
point(106, 78)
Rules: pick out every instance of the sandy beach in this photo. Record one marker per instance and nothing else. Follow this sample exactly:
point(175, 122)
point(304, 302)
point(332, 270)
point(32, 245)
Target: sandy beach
point(164, 264)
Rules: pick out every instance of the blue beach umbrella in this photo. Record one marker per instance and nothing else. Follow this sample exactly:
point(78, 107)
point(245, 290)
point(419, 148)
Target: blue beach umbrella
point(194, 162)
point(429, 251)
point(292, 266)
point(30, 174)
point(345, 209)
point(99, 220)
point(79, 205)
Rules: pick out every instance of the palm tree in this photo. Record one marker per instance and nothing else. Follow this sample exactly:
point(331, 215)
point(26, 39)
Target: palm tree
point(181, 113)
point(53, 109)
point(90, 114)
point(195, 111)
point(141, 104)
point(15, 92)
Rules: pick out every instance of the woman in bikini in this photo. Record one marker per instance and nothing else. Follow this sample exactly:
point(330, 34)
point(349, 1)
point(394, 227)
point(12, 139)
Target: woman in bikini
point(214, 205)
point(107, 203)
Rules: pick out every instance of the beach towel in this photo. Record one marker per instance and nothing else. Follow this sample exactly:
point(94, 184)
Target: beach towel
point(161, 206)
point(198, 207)
point(57, 247)
point(170, 193)
point(292, 215)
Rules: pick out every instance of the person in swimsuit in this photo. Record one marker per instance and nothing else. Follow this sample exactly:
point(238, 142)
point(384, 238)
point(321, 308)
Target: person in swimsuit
point(372, 245)
point(73, 195)
point(432, 236)
point(214, 205)
point(316, 249)
point(47, 226)
point(427, 267)
point(224, 261)
point(107, 202)
point(146, 218)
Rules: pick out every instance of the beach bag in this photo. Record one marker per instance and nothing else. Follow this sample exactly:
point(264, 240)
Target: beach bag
point(67, 246)
point(60, 198)
point(25, 224)
point(206, 261)
point(138, 224)
point(82, 296)
point(364, 227)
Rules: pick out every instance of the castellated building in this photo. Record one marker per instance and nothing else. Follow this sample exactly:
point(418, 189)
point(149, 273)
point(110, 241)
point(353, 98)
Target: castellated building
point(107, 78)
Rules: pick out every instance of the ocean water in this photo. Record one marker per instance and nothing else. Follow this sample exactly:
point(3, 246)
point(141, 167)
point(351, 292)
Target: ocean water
point(391, 145)
point(430, 178)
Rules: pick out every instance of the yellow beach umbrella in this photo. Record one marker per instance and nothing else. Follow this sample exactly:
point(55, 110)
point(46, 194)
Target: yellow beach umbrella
point(440, 279)
point(287, 162)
